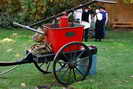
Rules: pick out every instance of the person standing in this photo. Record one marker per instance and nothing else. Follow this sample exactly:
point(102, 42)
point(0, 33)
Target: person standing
point(86, 22)
point(77, 15)
point(105, 19)
point(99, 26)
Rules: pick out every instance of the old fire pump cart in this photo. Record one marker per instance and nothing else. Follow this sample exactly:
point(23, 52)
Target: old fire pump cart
point(60, 50)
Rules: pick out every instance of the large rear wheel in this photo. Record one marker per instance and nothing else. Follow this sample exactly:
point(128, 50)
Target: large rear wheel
point(74, 60)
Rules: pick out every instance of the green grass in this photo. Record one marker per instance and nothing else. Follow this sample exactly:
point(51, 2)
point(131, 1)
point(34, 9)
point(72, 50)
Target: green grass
point(114, 62)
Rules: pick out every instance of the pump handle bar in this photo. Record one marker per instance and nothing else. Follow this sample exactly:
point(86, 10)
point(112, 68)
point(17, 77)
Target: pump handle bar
point(60, 14)
point(27, 27)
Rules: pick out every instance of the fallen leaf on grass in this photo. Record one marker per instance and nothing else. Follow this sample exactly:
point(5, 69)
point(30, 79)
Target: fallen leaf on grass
point(91, 80)
point(17, 55)
point(9, 50)
point(7, 40)
point(14, 35)
point(131, 76)
point(125, 81)
point(23, 85)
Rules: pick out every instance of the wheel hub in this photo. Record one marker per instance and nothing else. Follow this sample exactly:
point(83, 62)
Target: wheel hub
point(71, 65)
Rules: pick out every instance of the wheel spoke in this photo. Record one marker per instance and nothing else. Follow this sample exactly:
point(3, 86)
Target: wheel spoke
point(48, 66)
point(64, 62)
point(80, 60)
point(41, 64)
point(62, 67)
point(80, 65)
point(65, 72)
point(79, 71)
point(70, 75)
point(60, 63)
point(74, 74)
point(80, 54)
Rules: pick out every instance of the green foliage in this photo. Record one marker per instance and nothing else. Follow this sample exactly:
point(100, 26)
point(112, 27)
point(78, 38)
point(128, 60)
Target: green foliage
point(5, 19)
point(3, 5)
point(9, 10)
point(128, 1)
point(30, 11)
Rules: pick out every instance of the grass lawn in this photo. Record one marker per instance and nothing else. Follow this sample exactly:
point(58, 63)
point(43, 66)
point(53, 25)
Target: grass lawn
point(114, 62)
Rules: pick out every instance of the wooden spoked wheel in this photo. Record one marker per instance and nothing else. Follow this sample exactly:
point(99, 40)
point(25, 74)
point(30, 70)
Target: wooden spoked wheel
point(74, 60)
point(44, 67)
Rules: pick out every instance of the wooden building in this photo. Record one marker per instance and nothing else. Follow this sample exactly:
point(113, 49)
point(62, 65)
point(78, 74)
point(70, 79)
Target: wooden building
point(120, 13)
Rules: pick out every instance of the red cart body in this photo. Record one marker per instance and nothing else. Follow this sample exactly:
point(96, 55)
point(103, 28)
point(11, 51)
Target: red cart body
point(58, 36)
